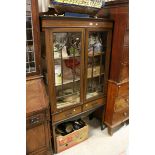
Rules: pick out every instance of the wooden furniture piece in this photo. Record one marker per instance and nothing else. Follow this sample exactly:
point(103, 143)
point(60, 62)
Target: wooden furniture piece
point(117, 107)
point(77, 59)
point(38, 139)
point(32, 38)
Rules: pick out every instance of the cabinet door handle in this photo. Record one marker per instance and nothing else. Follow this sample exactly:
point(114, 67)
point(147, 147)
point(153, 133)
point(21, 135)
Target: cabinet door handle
point(34, 120)
point(127, 100)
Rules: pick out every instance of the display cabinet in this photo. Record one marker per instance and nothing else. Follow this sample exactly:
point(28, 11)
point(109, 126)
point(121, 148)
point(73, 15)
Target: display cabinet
point(76, 65)
point(32, 38)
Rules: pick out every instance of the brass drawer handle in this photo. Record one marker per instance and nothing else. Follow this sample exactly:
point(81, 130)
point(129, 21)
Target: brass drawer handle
point(34, 120)
point(124, 63)
point(125, 114)
point(127, 100)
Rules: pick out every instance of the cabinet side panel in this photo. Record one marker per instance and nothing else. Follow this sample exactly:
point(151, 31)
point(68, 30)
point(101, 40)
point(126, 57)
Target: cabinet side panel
point(112, 91)
point(35, 138)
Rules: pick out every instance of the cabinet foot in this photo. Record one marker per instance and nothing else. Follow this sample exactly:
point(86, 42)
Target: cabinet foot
point(103, 126)
point(91, 116)
point(110, 131)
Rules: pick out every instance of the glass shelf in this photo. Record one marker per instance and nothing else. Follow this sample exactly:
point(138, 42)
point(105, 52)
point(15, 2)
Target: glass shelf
point(96, 54)
point(64, 58)
point(67, 82)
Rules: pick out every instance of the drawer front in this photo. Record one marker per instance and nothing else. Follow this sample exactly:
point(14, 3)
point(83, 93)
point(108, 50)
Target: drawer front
point(123, 89)
point(35, 120)
point(120, 116)
point(121, 103)
point(92, 104)
point(66, 114)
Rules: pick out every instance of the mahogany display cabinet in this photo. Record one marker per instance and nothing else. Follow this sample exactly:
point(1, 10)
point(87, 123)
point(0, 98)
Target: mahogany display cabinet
point(117, 107)
point(76, 65)
point(38, 139)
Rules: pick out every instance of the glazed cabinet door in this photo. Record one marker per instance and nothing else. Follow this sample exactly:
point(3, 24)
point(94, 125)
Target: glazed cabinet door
point(32, 38)
point(65, 66)
point(97, 54)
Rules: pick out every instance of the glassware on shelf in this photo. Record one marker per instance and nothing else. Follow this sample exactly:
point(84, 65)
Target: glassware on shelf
point(96, 71)
point(58, 75)
point(95, 63)
point(95, 46)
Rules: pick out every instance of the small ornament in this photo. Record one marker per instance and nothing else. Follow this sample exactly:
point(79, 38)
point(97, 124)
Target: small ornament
point(64, 52)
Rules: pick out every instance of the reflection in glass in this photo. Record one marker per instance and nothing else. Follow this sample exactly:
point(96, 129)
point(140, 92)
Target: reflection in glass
point(67, 48)
point(30, 55)
point(96, 63)
point(28, 22)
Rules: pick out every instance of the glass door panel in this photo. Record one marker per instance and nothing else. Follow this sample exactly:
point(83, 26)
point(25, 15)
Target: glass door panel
point(30, 55)
point(95, 55)
point(67, 57)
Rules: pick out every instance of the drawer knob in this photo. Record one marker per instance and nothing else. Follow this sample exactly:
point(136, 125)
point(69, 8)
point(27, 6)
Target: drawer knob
point(86, 105)
point(125, 114)
point(119, 86)
point(34, 120)
point(74, 110)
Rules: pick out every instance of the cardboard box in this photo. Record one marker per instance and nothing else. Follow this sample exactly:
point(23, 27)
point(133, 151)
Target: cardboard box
point(69, 140)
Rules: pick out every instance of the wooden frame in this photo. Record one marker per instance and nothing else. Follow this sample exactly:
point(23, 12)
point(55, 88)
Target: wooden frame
point(66, 24)
point(50, 65)
point(107, 58)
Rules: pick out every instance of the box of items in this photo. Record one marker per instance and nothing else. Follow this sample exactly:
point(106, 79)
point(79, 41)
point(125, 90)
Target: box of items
point(89, 7)
point(70, 134)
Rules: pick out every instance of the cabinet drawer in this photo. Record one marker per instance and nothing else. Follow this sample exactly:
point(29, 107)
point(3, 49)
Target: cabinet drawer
point(120, 116)
point(121, 103)
point(35, 120)
point(123, 89)
point(66, 114)
point(92, 104)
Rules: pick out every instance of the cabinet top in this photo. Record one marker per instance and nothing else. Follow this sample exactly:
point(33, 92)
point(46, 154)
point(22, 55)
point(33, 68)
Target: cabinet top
point(47, 17)
point(36, 97)
point(74, 22)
